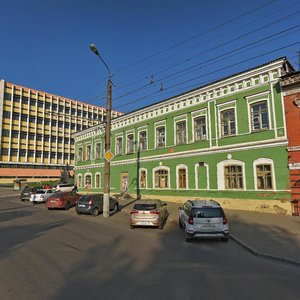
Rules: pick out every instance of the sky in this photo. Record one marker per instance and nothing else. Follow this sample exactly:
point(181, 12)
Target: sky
point(154, 49)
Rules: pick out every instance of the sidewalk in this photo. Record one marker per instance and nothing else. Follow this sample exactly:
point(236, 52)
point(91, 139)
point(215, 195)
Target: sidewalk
point(271, 236)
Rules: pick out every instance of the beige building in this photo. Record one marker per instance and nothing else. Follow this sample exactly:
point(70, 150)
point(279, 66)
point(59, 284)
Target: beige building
point(36, 132)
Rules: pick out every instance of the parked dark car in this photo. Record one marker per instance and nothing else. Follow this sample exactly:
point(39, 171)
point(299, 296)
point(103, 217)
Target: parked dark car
point(93, 204)
point(62, 200)
point(26, 193)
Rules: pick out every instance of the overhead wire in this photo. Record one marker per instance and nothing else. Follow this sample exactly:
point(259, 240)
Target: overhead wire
point(218, 70)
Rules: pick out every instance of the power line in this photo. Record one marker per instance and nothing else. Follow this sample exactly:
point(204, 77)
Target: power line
point(212, 72)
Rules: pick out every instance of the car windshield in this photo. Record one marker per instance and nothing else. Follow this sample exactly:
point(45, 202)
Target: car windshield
point(207, 212)
point(145, 206)
point(59, 194)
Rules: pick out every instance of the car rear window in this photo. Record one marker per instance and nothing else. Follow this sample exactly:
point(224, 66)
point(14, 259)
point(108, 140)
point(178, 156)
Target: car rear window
point(207, 212)
point(40, 192)
point(146, 206)
point(84, 198)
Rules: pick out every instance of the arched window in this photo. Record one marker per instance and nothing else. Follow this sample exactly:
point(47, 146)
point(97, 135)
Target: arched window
point(97, 180)
point(88, 181)
point(79, 180)
point(181, 177)
point(263, 170)
point(161, 178)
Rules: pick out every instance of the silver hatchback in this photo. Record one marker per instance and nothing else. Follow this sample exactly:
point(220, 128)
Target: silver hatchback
point(149, 213)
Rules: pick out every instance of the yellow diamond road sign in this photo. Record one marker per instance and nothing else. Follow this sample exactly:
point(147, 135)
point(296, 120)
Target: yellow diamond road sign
point(108, 155)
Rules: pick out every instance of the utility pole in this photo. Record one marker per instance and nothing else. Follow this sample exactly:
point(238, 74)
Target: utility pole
point(108, 154)
point(107, 150)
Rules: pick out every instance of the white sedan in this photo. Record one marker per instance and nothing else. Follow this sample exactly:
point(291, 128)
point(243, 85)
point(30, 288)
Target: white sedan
point(41, 195)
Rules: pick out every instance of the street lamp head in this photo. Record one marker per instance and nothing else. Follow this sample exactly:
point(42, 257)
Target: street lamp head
point(94, 49)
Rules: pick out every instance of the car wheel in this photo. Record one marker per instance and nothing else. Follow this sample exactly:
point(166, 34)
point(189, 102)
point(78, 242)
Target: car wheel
point(78, 212)
point(131, 226)
point(225, 239)
point(188, 238)
point(116, 207)
point(67, 206)
point(179, 223)
point(95, 212)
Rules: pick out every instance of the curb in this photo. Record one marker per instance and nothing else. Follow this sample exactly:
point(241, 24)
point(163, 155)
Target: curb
point(263, 255)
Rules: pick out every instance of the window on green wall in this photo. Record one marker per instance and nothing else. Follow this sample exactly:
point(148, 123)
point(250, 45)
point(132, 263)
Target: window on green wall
point(161, 179)
point(143, 179)
point(181, 137)
point(182, 178)
point(259, 116)
point(130, 143)
point(228, 122)
point(97, 181)
point(79, 180)
point(119, 146)
point(80, 154)
point(200, 128)
point(233, 177)
point(88, 152)
point(143, 140)
point(264, 177)
point(160, 136)
point(98, 151)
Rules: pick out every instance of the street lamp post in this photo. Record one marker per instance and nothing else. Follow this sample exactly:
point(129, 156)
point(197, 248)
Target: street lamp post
point(107, 137)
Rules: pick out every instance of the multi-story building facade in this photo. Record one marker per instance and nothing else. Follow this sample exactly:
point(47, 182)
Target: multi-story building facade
point(36, 132)
point(226, 140)
point(290, 84)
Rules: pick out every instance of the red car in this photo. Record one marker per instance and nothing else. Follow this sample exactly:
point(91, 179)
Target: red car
point(62, 200)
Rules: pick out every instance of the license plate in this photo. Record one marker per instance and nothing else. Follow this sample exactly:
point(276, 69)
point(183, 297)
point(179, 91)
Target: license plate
point(208, 225)
point(81, 205)
point(143, 223)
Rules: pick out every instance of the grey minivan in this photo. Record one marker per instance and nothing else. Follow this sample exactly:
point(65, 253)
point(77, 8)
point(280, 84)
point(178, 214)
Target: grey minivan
point(93, 204)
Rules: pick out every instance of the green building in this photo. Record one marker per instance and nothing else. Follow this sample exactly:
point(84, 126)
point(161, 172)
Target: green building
point(226, 141)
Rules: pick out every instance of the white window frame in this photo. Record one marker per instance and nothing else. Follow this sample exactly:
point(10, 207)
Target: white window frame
point(264, 161)
point(79, 180)
point(116, 139)
point(85, 175)
point(143, 130)
point(195, 116)
point(153, 177)
point(221, 108)
point(221, 176)
point(261, 97)
point(156, 126)
point(96, 174)
point(100, 152)
point(127, 135)
point(86, 147)
point(178, 167)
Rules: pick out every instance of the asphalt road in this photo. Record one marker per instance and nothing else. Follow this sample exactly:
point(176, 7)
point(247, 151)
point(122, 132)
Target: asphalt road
point(59, 255)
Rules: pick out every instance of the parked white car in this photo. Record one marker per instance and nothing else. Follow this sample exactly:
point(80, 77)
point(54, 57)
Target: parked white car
point(64, 187)
point(41, 195)
point(203, 219)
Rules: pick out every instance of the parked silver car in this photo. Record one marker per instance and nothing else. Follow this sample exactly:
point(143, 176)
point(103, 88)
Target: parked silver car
point(149, 213)
point(41, 195)
point(203, 219)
